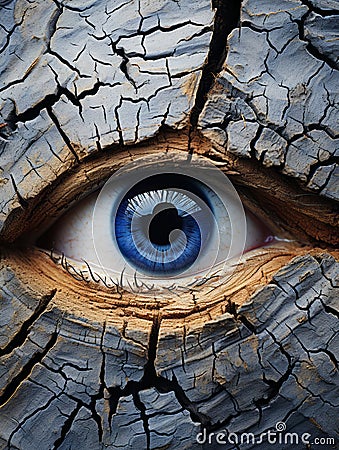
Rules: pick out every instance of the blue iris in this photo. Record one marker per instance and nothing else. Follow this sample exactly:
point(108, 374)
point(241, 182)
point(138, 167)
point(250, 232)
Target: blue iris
point(157, 227)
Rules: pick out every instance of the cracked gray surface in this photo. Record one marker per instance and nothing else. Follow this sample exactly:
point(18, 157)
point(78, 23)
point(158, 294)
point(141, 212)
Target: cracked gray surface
point(274, 360)
point(255, 368)
point(281, 73)
point(91, 76)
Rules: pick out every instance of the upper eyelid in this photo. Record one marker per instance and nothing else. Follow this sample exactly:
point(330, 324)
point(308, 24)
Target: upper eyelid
point(315, 213)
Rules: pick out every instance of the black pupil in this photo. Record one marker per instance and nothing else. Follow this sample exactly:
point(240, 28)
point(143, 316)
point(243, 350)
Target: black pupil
point(165, 219)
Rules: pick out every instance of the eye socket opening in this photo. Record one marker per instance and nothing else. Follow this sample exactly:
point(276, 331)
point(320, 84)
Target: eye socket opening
point(164, 221)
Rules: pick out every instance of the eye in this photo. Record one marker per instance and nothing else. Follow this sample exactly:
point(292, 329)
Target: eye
point(161, 221)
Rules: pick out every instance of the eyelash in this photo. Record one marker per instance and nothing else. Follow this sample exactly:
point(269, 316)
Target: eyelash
point(79, 275)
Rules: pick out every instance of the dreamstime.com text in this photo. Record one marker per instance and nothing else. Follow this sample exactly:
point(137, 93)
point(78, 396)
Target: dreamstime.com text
point(277, 436)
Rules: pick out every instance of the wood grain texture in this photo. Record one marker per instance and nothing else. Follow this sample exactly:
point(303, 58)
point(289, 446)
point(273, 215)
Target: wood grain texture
point(88, 85)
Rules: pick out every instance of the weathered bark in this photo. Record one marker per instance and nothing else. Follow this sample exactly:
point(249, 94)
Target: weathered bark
point(86, 86)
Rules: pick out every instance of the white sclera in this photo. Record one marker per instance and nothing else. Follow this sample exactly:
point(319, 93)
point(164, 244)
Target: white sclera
point(85, 232)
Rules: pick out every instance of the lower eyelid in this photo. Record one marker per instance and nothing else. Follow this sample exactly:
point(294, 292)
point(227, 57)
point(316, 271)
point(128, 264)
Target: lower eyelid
point(35, 270)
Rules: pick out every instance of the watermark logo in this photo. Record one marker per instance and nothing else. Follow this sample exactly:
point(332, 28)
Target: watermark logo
point(279, 435)
point(280, 426)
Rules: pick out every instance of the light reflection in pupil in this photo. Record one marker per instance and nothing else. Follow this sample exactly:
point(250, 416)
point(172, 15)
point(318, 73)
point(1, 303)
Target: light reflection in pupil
point(165, 220)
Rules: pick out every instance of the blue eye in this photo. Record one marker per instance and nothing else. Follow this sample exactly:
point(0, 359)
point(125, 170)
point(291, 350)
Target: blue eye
point(165, 221)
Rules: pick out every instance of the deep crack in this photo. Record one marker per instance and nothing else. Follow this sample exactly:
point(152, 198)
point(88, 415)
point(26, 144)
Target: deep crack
point(20, 337)
point(151, 379)
point(310, 47)
point(62, 133)
point(66, 427)
point(22, 201)
point(15, 382)
point(226, 19)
